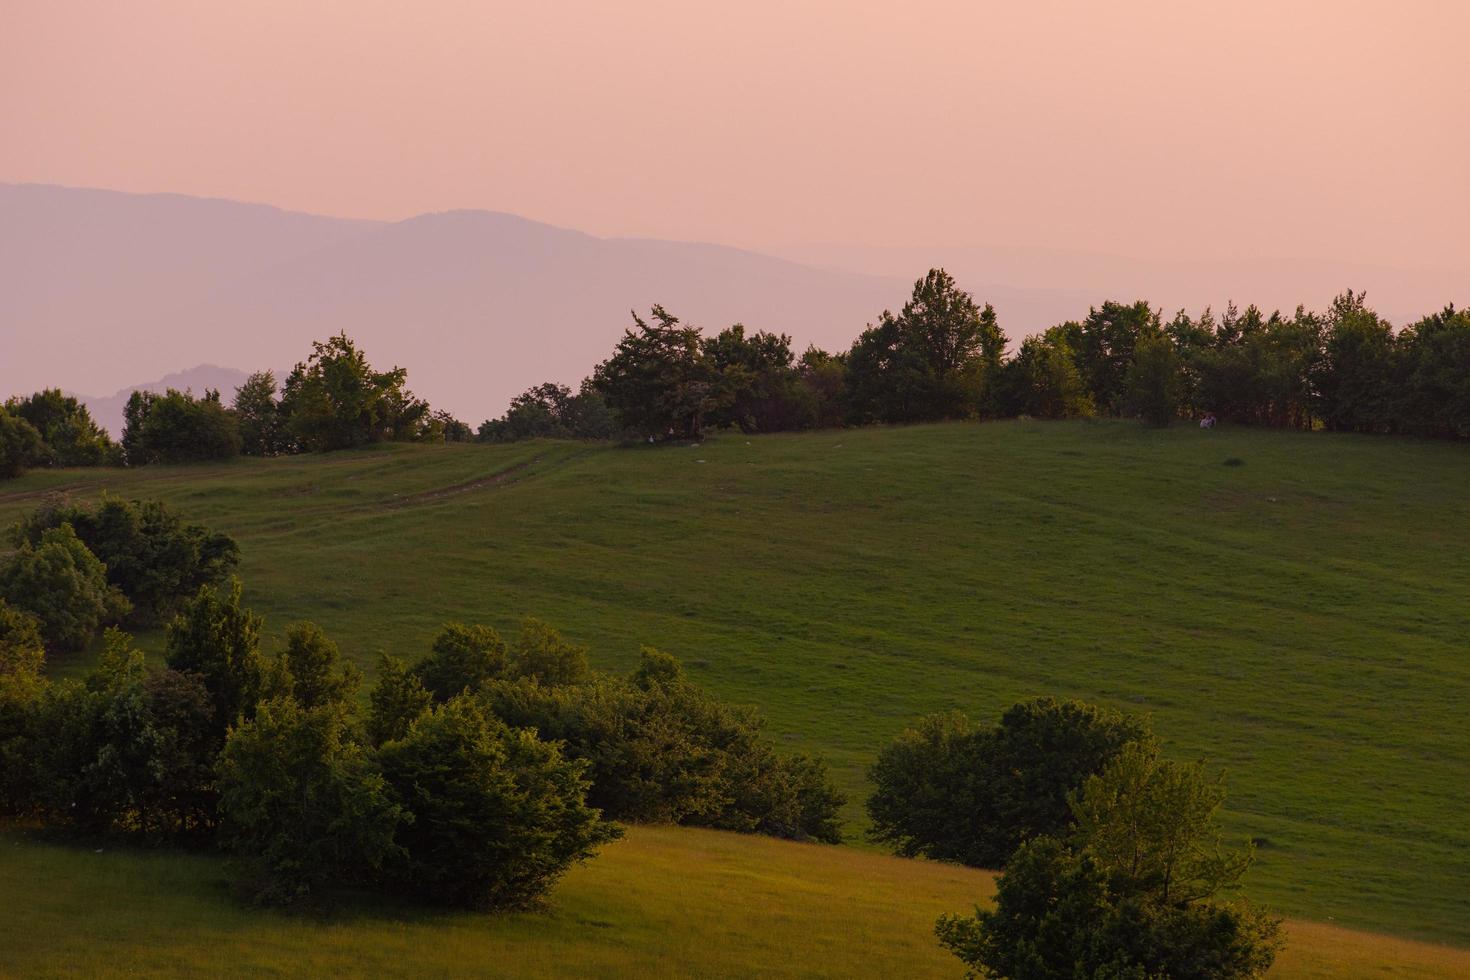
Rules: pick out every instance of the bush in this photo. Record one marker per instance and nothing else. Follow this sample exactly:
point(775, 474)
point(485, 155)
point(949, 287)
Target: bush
point(151, 554)
point(302, 805)
point(950, 791)
point(22, 656)
point(461, 659)
point(317, 675)
point(541, 654)
point(497, 815)
point(396, 701)
point(663, 750)
point(20, 446)
point(1129, 894)
point(215, 637)
point(176, 427)
point(66, 428)
point(64, 586)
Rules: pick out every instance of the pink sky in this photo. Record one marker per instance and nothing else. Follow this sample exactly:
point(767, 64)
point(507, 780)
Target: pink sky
point(1335, 129)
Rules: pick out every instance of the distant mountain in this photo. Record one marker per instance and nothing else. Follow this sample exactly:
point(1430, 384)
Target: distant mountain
point(108, 411)
point(97, 288)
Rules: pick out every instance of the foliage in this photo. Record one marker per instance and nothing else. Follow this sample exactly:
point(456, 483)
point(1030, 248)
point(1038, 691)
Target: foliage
point(659, 382)
point(493, 816)
point(21, 446)
point(1043, 379)
point(543, 655)
point(63, 585)
point(951, 791)
point(551, 411)
point(66, 428)
point(258, 414)
point(176, 427)
point(303, 807)
point(317, 675)
point(335, 400)
point(1153, 384)
point(1129, 894)
point(151, 554)
point(663, 750)
point(215, 637)
point(462, 659)
point(396, 701)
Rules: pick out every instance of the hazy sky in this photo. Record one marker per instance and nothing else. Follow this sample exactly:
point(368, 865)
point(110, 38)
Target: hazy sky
point(1332, 128)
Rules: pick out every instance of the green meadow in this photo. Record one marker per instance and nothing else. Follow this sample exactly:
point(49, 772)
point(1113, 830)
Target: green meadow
point(1292, 607)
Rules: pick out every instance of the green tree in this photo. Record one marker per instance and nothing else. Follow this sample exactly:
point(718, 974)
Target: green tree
point(216, 637)
point(497, 814)
point(1434, 368)
point(335, 400)
point(551, 411)
point(303, 807)
point(64, 586)
point(22, 657)
point(1133, 891)
point(396, 701)
point(66, 427)
point(153, 556)
point(461, 659)
point(1044, 380)
point(176, 427)
point(21, 446)
point(952, 791)
point(318, 674)
point(258, 415)
point(1105, 347)
point(1153, 386)
point(658, 381)
point(544, 655)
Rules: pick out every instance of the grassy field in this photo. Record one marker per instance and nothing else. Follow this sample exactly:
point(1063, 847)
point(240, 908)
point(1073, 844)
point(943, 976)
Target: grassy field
point(664, 902)
point(1299, 617)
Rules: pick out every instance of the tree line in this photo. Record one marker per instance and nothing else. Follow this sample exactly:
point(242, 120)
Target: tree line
point(944, 356)
point(473, 775)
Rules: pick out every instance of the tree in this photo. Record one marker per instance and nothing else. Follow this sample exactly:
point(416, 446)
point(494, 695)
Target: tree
point(20, 446)
point(1130, 893)
point(1043, 379)
point(335, 400)
point(22, 657)
point(154, 557)
point(318, 676)
point(396, 701)
point(663, 750)
point(1355, 379)
point(176, 427)
point(542, 654)
point(1434, 363)
point(658, 382)
point(66, 428)
point(497, 815)
point(551, 411)
point(1153, 385)
point(951, 791)
point(303, 807)
point(216, 637)
point(461, 659)
point(1105, 347)
point(762, 390)
point(262, 432)
point(64, 586)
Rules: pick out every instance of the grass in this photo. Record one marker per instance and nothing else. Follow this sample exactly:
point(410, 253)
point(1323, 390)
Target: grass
point(664, 902)
point(1299, 618)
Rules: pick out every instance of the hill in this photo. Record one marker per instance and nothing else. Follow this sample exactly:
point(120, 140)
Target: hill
point(1296, 616)
point(107, 411)
point(664, 902)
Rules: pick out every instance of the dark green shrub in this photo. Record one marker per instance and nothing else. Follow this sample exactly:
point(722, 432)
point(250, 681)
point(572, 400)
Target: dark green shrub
point(151, 554)
point(215, 637)
point(21, 446)
point(64, 586)
point(318, 675)
point(302, 806)
point(1132, 892)
point(950, 791)
point(396, 701)
point(497, 815)
point(462, 658)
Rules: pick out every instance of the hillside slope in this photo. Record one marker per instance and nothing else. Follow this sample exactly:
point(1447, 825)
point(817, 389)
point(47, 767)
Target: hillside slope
point(1298, 617)
point(664, 902)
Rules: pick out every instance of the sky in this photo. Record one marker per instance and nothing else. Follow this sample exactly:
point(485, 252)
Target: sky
point(1332, 129)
